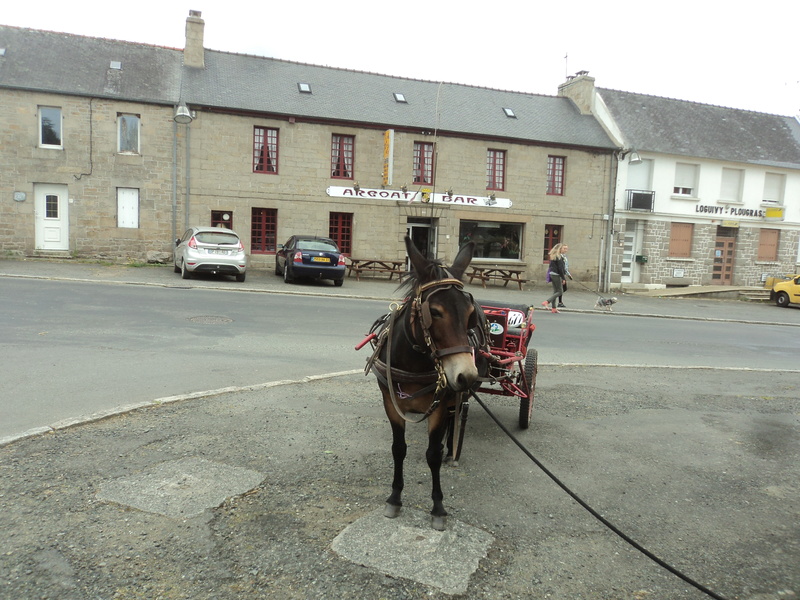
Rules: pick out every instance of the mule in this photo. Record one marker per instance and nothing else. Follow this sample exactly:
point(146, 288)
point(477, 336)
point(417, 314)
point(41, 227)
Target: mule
point(425, 364)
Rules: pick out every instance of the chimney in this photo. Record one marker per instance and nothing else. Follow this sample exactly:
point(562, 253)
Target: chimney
point(580, 89)
point(193, 53)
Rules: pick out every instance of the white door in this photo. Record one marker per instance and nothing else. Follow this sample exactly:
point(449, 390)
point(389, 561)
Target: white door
point(51, 211)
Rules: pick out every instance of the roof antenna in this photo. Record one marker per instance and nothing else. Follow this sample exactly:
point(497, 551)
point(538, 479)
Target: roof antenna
point(566, 65)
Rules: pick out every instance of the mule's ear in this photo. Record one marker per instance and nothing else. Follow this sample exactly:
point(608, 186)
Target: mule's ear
point(463, 258)
point(418, 262)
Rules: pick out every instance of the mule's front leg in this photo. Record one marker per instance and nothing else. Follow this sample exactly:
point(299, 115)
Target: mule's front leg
point(399, 449)
point(434, 456)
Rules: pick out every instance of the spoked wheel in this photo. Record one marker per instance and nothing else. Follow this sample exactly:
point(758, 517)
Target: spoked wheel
point(529, 376)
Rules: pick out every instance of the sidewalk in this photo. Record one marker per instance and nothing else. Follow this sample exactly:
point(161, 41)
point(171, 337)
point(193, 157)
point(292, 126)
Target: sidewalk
point(692, 303)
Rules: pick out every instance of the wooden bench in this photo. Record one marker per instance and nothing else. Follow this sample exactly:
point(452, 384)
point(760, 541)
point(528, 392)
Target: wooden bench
point(495, 273)
point(392, 267)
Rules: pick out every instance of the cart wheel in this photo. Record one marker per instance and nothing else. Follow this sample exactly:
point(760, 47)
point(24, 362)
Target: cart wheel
point(526, 404)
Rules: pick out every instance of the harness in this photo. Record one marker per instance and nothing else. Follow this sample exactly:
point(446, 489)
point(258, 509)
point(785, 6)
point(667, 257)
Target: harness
point(420, 315)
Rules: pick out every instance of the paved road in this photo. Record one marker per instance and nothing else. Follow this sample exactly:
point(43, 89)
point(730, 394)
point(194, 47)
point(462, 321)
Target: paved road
point(244, 494)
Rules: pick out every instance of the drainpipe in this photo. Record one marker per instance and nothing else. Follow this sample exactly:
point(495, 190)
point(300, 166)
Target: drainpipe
point(174, 184)
point(188, 177)
point(612, 200)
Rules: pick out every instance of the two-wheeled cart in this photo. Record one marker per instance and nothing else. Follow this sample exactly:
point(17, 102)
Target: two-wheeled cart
point(512, 363)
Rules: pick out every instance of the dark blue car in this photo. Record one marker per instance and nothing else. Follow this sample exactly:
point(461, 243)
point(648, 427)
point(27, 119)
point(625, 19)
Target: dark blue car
point(310, 256)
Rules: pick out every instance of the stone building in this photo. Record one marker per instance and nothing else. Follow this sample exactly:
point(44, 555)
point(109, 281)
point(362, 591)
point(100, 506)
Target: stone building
point(111, 149)
point(705, 195)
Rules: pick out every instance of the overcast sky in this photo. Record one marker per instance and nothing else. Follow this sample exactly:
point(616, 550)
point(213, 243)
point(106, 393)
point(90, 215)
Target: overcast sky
point(741, 55)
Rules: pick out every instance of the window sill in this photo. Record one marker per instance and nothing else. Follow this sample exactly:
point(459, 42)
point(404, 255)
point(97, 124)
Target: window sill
point(730, 202)
point(678, 259)
point(686, 198)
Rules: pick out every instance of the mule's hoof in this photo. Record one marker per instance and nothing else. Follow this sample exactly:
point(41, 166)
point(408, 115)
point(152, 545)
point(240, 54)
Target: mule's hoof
point(391, 511)
point(439, 523)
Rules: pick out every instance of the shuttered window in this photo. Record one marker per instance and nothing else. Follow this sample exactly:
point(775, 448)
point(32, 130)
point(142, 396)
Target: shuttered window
point(731, 188)
point(773, 188)
point(685, 180)
point(128, 208)
point(680, 240)
point(768, 244)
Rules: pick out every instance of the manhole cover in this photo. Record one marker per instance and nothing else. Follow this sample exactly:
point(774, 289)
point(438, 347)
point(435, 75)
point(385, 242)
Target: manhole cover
point(210, 320)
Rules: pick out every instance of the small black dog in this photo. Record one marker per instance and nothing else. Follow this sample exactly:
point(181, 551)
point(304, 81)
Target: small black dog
point(606, 303)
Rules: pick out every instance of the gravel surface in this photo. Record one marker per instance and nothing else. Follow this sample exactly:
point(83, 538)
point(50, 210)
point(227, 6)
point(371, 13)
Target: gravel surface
point(701, 467)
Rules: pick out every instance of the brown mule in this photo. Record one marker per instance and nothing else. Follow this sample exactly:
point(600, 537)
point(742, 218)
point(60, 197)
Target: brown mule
point(425, 364)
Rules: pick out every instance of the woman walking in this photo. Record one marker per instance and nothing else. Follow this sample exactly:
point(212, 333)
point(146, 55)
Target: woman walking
point(558, 274)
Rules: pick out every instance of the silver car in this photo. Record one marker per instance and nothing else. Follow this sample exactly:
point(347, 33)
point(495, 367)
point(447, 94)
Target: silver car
point(210, 250)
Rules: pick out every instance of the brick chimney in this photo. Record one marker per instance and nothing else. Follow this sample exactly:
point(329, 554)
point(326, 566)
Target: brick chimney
point(194, 53)
point(580, 89)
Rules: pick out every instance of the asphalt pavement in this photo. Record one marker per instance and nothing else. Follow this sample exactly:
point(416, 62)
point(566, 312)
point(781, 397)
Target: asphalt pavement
point(120, 474)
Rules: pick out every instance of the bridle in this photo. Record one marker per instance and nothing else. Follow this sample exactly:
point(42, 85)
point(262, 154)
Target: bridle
point(420, 314)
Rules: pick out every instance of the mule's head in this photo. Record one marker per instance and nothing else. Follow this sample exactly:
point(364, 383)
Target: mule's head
point(447, 313)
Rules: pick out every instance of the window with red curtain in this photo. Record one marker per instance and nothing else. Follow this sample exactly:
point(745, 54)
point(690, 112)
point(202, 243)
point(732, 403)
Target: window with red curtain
point(340, 230)
point(342, 155)
point(556, 166)
point(495, 169)
point(263, 230)
point(552, 236)
point(265, 150)
point(423, 162)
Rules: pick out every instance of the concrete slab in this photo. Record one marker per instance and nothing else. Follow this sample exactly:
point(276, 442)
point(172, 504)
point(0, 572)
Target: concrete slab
point(181, 488)
point(408, 547)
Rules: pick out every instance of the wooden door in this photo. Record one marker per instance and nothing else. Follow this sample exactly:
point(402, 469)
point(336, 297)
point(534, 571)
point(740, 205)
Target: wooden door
point(724, 253)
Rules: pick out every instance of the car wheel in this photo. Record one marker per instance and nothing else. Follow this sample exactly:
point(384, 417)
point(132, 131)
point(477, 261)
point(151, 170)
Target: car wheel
point(338, 282)
point(782, 299)
point(176, 268)
point(185, 274)
point(277, 270)
point(286, 277)
point(240, 277)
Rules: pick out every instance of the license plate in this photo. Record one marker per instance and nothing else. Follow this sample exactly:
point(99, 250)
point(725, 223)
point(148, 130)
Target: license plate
point(324, 259)
point(214, 251)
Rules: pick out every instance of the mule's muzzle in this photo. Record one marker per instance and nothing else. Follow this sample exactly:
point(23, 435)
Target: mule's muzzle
point(460, 371)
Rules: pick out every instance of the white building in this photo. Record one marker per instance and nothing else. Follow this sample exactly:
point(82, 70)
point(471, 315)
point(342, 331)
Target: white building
point(705, 195)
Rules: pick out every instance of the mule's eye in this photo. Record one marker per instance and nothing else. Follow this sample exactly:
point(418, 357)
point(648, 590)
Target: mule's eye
point(436, 313)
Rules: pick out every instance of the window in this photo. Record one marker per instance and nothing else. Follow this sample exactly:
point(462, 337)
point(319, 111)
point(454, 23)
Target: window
point(263, 230)
point(492, 239)
point(774, 184)
point(768, 245)
point(50, 127)
point(342, 150)
point(680, 240)
point(685, 180)
point(423, 162)
point(265, 150)
point(731, 188)
point(495, 169)
point(555, 175)
point(552, 236)
point(340, 230)
point(222, 218)
point(128, 208)
point(51, 206)
point(128, 133)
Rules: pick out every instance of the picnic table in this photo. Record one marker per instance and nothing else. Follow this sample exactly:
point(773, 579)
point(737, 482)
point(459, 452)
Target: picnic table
point(497, 273)
point(362, 265)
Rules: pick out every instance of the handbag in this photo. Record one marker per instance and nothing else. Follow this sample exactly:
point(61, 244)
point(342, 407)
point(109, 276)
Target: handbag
point(547, 278)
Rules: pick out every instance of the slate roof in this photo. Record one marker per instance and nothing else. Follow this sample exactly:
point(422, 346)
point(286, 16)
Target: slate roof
point(70, 64)
point(665, 125)
point(63, 63)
